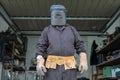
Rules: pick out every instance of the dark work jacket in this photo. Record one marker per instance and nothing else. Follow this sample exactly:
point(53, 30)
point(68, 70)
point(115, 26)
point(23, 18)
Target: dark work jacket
point(93, 57)
point(60, 41)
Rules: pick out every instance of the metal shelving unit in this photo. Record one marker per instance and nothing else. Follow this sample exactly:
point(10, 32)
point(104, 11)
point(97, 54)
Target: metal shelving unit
point(112, 46)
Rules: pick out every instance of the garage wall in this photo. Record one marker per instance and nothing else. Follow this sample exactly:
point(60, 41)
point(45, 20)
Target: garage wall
point(3, 25)
point(32, 40)
point(88, 42)
point(115, 24)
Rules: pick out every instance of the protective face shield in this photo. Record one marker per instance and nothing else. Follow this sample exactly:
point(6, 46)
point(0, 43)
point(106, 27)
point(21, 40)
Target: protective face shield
point(58, 16)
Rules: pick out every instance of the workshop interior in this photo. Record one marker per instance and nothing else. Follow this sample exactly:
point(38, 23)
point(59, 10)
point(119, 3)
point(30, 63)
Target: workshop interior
point(59, 39)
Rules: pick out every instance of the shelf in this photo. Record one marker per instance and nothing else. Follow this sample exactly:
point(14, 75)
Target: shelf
point(15, 68)
point(110, 78)
point(111, 62)
point(10, 37)
point(7, 67)
point(7, 58)
point(32, 68)
point(18, 69)
point(113, 45)
point(21, 58)
point(20, 48)
point(13, 49)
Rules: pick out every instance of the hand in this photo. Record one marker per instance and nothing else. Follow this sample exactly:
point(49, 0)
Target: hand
point(83, 67)
point(41, 69)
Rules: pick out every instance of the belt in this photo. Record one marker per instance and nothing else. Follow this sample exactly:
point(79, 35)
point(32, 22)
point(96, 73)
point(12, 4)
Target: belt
point(69, 62)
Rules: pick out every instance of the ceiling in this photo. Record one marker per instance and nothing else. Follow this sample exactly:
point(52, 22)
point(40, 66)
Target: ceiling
point(85, 15)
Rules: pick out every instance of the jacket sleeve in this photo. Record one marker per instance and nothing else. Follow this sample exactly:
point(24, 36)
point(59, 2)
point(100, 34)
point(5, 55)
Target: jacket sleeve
point(78, 43)
point(42, 43)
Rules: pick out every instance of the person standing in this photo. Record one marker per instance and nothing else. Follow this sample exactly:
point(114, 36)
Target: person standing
point(59, 41)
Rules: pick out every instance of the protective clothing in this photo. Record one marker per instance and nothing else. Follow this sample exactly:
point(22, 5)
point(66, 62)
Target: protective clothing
point(40, 65)
point(83, 66)
point(58, 16)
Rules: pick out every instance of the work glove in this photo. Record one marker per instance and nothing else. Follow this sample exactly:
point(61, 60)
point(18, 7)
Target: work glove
point(83, 66)
point(41, 69)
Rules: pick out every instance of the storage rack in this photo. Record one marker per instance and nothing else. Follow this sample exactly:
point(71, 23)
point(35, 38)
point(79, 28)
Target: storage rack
point(112, 46)
point(8, 58)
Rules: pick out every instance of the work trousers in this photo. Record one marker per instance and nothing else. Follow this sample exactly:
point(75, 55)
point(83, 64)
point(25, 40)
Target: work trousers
point(61, 74)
